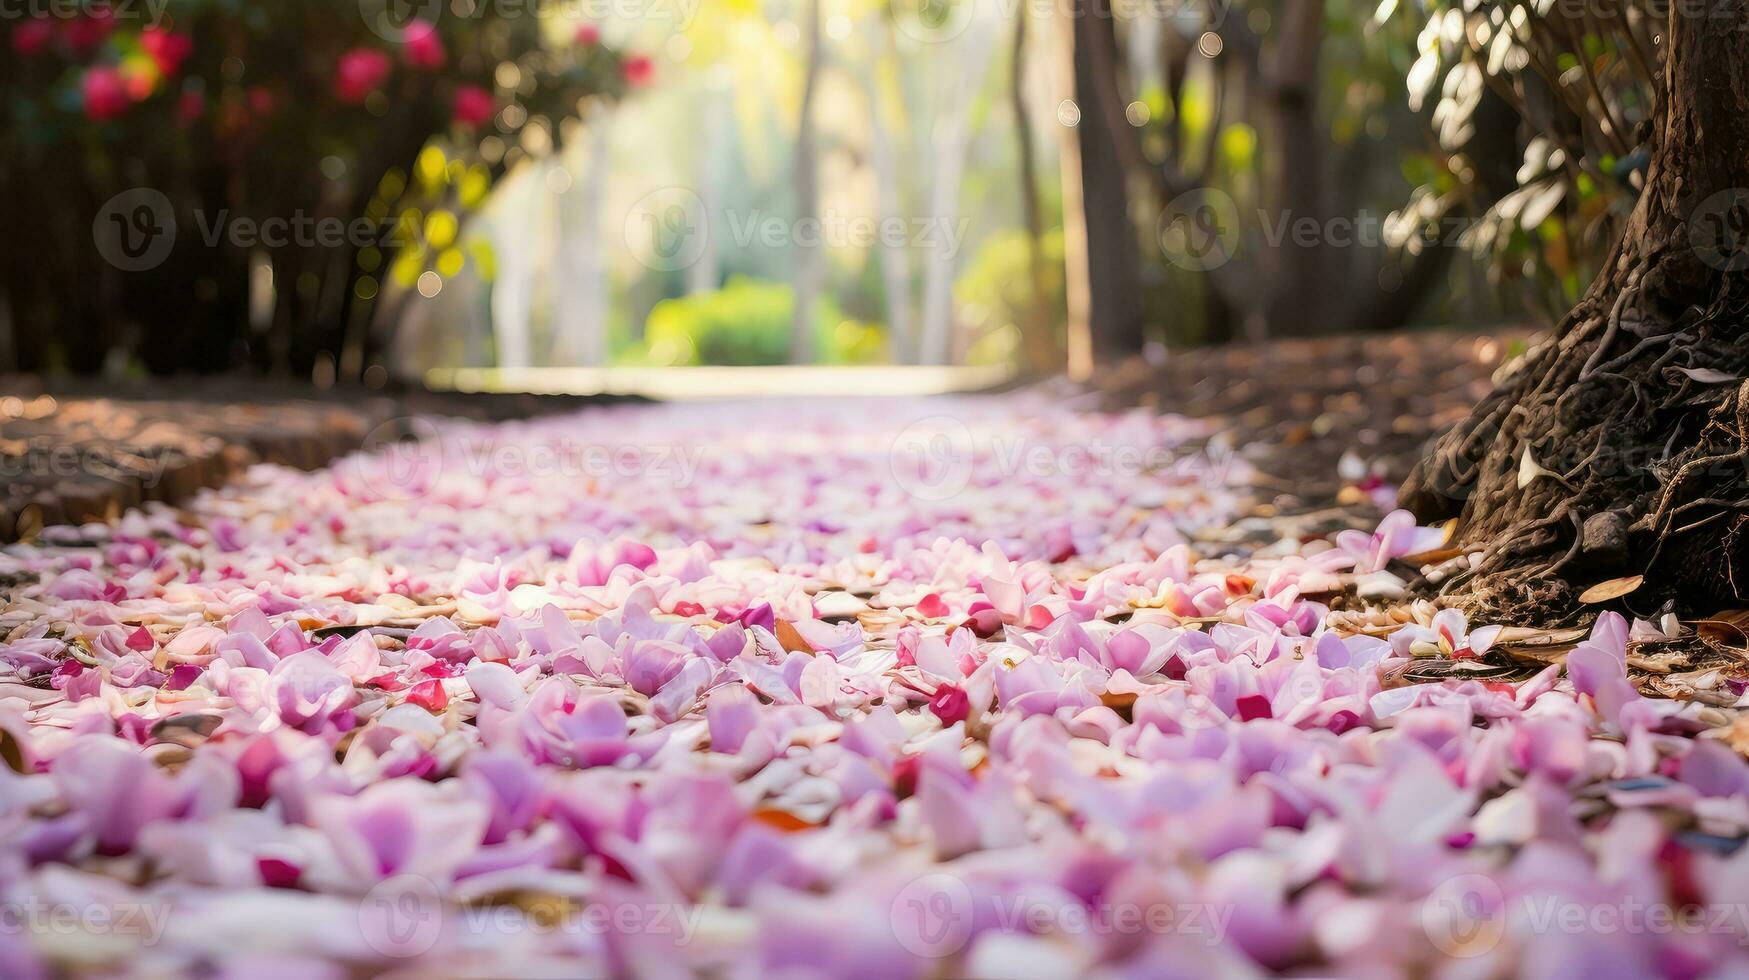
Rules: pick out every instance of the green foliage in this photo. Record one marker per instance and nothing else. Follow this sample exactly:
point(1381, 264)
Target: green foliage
point(1581, 82)
point(996, 295)
point(747, 322)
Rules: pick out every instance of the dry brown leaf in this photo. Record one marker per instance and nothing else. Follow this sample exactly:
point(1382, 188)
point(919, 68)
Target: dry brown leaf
point(790, 639)
point(1613, 588)
point(1729, 626)
point(1525, 636)
point(11, 752)
point(1123, 703)
point(782, 820)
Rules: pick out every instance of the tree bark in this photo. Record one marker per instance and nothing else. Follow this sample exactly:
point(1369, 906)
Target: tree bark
point(950, 143)
point(1039, 346)
point(809, 257)
point(895, 256)
point(1113, 271)
point(1619, 446)
point(1299, 188)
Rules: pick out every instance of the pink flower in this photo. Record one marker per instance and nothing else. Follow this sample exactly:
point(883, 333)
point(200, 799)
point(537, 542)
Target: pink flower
point(474, 106)
point(593, 564)
point(105, 93)
point(950, 704)
point(33, 36)
point(638, 70)
point(588, 35)
point(87, 32)
point(403, 826)
point(421, 46)
point(167, 50)
point(429, 695)
point(1396, 536)
point(360, 72)
point(564, 725)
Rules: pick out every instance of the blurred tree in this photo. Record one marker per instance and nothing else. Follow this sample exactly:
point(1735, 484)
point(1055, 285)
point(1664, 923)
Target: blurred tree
point(1113, 276)
point(1041, 350)
point(809, 255)
point(1266, 136)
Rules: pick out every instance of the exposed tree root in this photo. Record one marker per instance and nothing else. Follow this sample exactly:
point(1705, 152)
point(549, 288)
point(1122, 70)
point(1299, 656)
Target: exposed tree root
point(1619, 448)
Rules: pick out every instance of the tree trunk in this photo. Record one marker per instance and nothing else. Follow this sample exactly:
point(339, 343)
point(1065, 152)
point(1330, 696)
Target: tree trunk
point(895, 256)
point(1300, 190)
point(1039, 347)
point(810, 256)
point(1114, 276)
point(950, 144)
point(580, 311)
point(1077, 288)
point(1619, 447)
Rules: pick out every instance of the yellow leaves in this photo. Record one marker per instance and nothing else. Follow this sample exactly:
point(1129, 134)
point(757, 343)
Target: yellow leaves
point(440, 229)
point(450, 262)
point(471, 190)
point(432, 169)
point(407, 266)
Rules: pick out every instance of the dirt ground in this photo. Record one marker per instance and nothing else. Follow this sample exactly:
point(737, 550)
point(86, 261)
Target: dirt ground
point(1299, 406)
point(79, 451)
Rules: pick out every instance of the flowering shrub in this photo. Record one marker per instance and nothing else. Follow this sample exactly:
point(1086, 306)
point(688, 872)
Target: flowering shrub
point(307, 116)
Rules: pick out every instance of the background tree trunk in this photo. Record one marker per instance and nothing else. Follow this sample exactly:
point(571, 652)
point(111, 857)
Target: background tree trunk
point(950, 142)
point(895, 256)
point(1039, 347)
point(810, 258)
point(1113, 272)
point(1619, 446)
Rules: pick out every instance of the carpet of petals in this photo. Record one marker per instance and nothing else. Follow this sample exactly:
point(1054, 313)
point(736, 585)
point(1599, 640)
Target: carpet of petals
point(957, 687)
